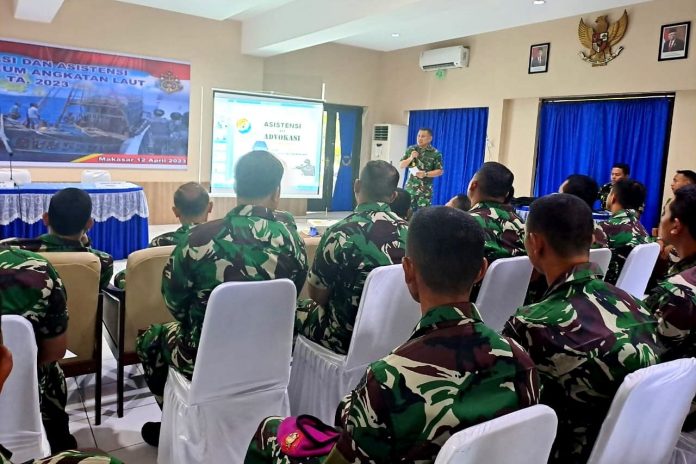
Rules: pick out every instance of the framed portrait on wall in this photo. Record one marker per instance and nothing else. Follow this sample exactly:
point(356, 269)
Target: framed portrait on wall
point(539, 58)
point(674, 41)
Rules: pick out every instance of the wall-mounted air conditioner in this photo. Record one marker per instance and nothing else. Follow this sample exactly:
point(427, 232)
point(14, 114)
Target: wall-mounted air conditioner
point(389, 143)
point(444, 58)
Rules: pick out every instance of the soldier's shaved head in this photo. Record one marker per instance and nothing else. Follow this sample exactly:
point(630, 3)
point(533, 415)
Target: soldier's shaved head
point(492, 181)
point(378, 181)
point(257, 175)
point(629, 193)
point(446, 247)
point(70, 211)
point(683, 207)
point(191, 199)
point(565, 221)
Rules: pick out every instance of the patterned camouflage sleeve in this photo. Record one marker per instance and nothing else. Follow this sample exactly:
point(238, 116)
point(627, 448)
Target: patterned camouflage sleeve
point(673, 306)
point(107, 267)
point(299, 272)
point(366, 434)
point(77, 457)
point(176, 286)
point(324, 270)
point(41, 296)
point(166, 239)
point(437, 161)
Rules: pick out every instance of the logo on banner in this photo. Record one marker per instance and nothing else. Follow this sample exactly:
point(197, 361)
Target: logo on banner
point(170, 83)
point(243, 125)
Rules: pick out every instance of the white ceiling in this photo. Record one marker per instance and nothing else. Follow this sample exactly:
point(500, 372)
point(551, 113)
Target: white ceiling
point(271, 27)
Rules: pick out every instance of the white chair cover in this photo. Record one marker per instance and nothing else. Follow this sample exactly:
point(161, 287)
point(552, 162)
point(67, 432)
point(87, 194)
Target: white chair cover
point(601, 257)
point(21, 430)
point(636, 272)
point(20, 176)
point(646, 415)
point(521, 437)
point(94, 176)
point(241, 375)
point(503, 290)
point(386, 318)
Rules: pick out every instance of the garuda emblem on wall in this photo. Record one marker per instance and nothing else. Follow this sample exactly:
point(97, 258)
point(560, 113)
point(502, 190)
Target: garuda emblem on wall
point(601, 39)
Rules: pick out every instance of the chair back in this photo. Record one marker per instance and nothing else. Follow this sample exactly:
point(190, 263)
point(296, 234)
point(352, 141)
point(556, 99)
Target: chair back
point(94, 176)
point(386, 316)
point(646, 416)
point(249, 327)
point(80, 273)
point(503, 290)
point(636, 271)
point(522, 437)
point(601, 257)
point(19, 176)
point(20, 426)
point(144, 301)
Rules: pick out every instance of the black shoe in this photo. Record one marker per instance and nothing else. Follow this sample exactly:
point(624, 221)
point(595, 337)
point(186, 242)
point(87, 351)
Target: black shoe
point(64, 443)
point(151, 432)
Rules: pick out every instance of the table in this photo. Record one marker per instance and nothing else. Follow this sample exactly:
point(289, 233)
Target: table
point(598, 216)
point(119, 210)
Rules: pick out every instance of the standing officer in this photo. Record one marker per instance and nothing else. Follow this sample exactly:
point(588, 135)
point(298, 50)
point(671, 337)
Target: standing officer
point(427, 162)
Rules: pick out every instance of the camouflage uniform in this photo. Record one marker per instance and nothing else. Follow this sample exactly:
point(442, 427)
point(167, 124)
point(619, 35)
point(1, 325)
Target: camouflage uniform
point(599, 237)
point(421, 190)
point(454, 372)
point(248, 244)
point(673, 302)
point(51, 243)
point(503, 227)
point(166, 239)
point(624, 232)
point(66, 457)
point(372, 236)
point(585, 337)
point(30, 287)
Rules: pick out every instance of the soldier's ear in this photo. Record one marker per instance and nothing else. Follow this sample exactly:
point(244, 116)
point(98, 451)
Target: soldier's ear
point(176, 212)
point(677, 227)
point(44, 218)
point(482, 271)
point(410, 277)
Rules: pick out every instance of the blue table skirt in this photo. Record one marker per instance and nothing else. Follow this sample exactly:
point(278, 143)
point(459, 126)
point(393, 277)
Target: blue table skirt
point(112, 236)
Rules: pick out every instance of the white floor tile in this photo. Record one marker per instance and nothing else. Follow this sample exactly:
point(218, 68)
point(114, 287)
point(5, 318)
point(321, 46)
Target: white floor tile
point(83, 434)
point(137, 454)
point(136, 394)
point(115, 433)
point(108, 375)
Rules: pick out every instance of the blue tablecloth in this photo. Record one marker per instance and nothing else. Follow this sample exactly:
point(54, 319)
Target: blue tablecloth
point(119, 210)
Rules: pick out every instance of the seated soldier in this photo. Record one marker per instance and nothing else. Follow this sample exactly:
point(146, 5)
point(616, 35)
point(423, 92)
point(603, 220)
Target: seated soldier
point(65, 457)
point(68, 219)
point(248, 244)
point(30, 287)
point(624, 230)
point(192, 206)
point(402, 204)
point(489, 191)
point(585, 188)
point(370, 237)
point(673, 301)
point(454, 372)
point(460, 201)
point(586, 335)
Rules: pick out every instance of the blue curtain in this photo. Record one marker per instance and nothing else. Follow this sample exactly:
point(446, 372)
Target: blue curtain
point(587, 137)
point(342, 199)
point(460, 135)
